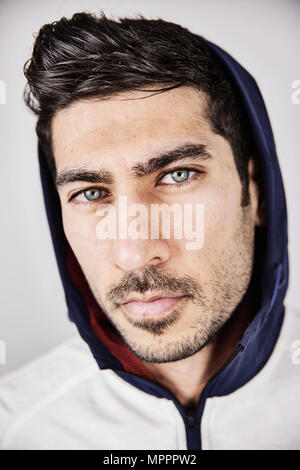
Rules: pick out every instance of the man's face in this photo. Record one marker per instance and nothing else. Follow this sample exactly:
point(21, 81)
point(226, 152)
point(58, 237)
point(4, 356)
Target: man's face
point(196, 291)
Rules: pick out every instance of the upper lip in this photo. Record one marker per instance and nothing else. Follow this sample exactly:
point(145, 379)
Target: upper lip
point(148, 299)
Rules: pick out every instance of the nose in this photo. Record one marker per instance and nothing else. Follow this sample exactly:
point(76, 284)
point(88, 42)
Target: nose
point(137, 254)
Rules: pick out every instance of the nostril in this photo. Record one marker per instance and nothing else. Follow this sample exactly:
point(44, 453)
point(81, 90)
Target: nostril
point(155, 260)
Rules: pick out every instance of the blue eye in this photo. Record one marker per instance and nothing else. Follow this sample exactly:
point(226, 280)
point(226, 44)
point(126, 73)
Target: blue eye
point(181, 175)
point(92, 194)
point(88, 196)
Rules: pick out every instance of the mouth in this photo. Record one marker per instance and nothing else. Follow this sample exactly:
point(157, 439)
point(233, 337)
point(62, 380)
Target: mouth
point(153, 307)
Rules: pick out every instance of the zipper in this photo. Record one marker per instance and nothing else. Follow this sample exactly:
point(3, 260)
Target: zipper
point(194, 416)
point(190, 417)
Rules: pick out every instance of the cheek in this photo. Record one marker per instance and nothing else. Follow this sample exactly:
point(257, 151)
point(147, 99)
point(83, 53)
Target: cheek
point(81, 234)
point(221, 218)
point(222, 210)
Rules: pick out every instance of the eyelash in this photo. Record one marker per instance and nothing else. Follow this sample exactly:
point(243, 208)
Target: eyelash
point(176, 185)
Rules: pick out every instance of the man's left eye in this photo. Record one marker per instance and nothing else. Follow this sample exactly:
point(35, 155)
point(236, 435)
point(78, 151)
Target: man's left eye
point(177, 176)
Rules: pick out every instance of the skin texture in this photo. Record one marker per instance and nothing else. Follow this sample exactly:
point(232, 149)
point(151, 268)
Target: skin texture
point(185, 348)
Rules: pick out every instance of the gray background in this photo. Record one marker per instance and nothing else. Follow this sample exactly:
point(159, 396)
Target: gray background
point(262, 36)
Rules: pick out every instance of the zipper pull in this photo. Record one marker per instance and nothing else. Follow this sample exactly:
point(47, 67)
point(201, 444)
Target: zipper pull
point(191, 419)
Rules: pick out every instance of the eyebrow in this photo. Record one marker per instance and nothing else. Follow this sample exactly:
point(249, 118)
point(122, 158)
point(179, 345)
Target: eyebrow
point(140, 169)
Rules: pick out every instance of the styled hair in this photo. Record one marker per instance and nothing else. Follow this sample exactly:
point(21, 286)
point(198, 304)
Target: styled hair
point(89, 56)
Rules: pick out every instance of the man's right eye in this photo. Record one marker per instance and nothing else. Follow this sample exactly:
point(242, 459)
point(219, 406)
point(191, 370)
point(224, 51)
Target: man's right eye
point(88, 196)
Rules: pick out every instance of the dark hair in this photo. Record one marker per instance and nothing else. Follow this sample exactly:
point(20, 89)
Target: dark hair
point(88, 56)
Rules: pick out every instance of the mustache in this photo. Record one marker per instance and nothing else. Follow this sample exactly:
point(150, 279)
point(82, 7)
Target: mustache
point(153, 279)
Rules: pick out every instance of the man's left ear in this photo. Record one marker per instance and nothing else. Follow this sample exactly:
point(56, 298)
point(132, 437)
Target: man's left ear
point(257, 198)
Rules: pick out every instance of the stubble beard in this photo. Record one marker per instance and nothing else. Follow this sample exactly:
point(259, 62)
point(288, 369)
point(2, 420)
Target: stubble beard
point(230, 280)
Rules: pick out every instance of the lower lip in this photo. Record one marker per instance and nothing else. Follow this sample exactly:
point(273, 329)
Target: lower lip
point(154, 308)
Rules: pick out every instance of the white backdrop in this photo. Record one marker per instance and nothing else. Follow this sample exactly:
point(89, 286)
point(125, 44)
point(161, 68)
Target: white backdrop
point(263, 36)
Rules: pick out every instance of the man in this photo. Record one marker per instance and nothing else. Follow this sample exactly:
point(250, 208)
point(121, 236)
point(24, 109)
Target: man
point(191, 339)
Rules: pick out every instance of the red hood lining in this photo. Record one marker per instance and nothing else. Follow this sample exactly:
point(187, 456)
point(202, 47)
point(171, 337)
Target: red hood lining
point(100, 324)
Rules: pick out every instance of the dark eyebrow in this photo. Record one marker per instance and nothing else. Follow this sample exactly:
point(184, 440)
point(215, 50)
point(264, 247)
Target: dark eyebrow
point(184, 151)
point(89, 176)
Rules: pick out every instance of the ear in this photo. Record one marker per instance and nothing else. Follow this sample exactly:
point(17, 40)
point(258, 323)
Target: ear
point(258, 202)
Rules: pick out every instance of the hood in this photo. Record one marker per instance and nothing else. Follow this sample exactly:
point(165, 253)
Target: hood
point(259, 339)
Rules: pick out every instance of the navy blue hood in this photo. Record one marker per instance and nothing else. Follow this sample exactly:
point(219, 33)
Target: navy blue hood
point(258, 341)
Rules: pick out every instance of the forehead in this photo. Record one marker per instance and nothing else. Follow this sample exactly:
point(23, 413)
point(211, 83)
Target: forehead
point(128, 125)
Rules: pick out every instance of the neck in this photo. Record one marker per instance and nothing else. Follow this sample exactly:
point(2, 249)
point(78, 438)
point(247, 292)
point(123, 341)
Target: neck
point(187, 378)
